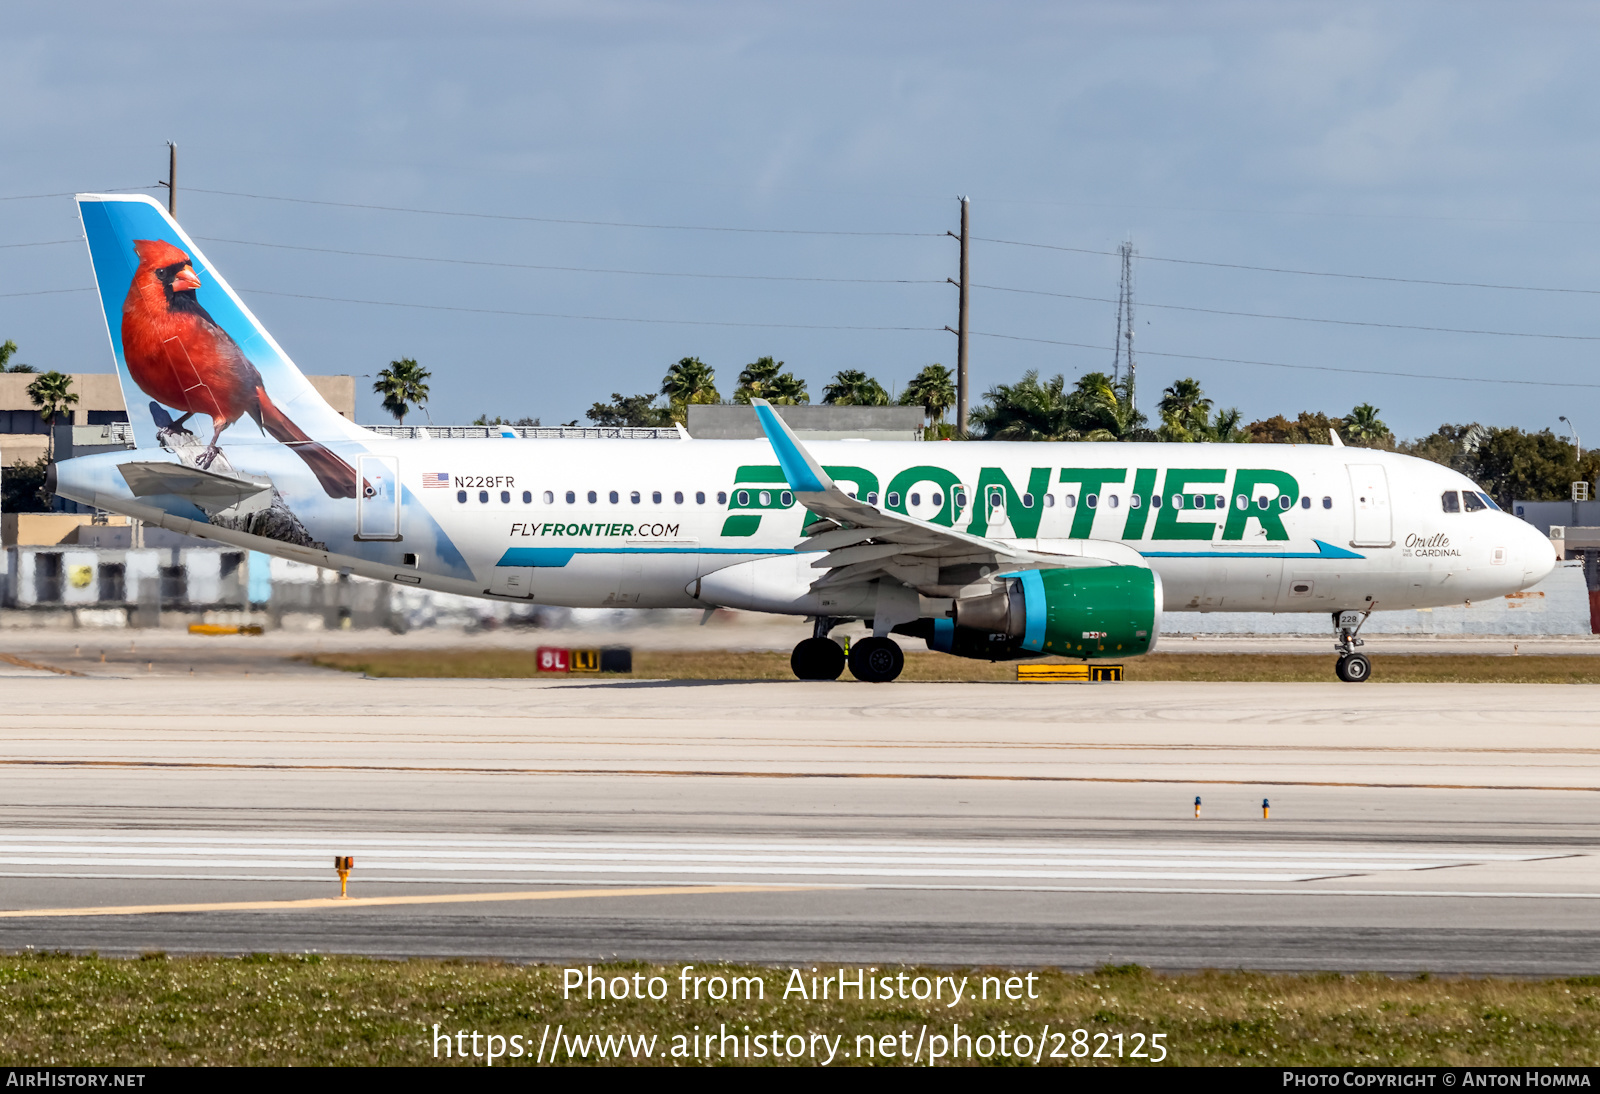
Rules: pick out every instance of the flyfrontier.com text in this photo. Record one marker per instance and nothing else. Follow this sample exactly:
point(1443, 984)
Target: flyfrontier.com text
point(923, 1045)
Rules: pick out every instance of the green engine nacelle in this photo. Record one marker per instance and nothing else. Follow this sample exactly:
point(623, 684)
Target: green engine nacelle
point(1091, 611)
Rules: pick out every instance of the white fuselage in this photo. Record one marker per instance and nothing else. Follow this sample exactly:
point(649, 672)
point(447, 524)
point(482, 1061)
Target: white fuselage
point(1310, 528)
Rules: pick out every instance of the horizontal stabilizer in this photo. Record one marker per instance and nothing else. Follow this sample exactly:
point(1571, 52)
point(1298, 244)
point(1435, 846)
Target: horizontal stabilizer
point(207, 489)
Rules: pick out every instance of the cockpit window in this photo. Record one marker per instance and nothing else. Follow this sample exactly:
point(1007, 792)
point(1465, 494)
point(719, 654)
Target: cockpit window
point(1451, 501)
point(1487, 500)
point(1474, 503)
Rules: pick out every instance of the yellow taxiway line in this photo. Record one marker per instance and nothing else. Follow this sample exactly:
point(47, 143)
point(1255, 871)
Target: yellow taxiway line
point(318, 903)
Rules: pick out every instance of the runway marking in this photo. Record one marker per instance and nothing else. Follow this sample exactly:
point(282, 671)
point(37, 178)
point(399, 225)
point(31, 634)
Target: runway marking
point(320, 903)
point(181, 765)
point(957, 865)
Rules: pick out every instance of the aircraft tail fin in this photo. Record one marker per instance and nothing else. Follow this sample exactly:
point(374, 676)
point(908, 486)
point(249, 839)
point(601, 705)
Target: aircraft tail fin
point(180, 336)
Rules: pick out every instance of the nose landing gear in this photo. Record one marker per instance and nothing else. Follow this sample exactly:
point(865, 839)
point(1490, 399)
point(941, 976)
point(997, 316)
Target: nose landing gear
point(1352, 667)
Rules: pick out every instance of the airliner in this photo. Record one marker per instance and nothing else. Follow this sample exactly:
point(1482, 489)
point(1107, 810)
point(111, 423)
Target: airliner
point(987, 550)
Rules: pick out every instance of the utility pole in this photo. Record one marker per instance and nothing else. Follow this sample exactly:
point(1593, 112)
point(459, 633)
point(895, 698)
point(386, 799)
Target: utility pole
point(960, 329)
point(1124, 342)
point(172, 180)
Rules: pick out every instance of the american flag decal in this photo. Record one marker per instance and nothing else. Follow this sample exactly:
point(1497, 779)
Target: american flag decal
point(435, 480)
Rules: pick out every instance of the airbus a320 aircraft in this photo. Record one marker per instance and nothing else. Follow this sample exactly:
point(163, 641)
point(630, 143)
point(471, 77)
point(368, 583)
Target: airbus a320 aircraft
point(991, 550)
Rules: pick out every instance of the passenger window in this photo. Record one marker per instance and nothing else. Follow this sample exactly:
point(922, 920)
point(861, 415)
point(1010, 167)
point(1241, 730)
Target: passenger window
point(613, 496)
point(1305, 502)
point(699, 497)
point(722, 497)
point(505, 497)
point(1091, 500)
point(461, 496)
point(1327, 503)
point(916, 500)
point(1451, 501)
point(786, 499)
point(893, 499)
point(764, 497)
point(1198, 501)
point(872, 498)
point(1135, 502)
point(1049, 501)
point(961, 499)
point(1241, 502)
point(677, 497)
point(1027, 501)
point(742, 497)
point(1177, 501)
point(1220, 502)
point(1069, 500)
point(483, 497)
point(1155, 501)
point(1262, 502)
point(1473, 503)
point(527, 497)
point(572, 498)
point(937, 499)
point(1113, 501)
point(593, 497)
point(1284, 501)
point(634, 497)
point(655, 497)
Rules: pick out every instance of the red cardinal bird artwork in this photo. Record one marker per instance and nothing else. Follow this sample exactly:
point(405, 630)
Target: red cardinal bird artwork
point(180, 357)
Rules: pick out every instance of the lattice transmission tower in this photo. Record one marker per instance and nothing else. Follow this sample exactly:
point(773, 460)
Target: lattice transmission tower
point(1124, 337)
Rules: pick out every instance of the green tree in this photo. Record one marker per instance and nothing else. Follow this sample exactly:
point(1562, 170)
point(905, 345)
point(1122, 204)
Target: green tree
point(1363, 427)
point(7, 348)
point(52, 393)
point(691, 380)
point(934, 390)
point(852, 387)
point(1309, 428)
point(1026, 411)
point(1186, 416)
point(403, 385)
point(787, 389)
point(629, 410)
point(1100, 410)
point(22, 487)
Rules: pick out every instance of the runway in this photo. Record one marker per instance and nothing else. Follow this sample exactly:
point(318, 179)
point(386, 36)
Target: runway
point(1447, 828)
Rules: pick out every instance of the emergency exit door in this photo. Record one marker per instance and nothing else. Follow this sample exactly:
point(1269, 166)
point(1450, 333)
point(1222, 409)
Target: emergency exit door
point(378, 498)
point(1369, 496)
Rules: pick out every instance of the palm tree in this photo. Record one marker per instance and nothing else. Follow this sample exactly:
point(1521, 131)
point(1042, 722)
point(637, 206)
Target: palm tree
point(1099, 409)
point(402, 386)
point(852, 387)
point(756, 378)
point(787, 389)
point(934, 390)
point(7, 348)
point(1027, 411)
point(52, 394)
point(691, 380)
point(1363, 426)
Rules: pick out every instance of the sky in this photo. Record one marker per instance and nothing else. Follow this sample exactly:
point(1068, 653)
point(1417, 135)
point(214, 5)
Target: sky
point(619, 184)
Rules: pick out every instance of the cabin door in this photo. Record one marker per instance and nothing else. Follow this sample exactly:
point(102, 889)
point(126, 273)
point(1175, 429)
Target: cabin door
point(1369, 495)
point(378, 498)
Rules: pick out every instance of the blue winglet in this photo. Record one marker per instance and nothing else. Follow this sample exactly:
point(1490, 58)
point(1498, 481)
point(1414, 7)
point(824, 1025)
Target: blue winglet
point(798, 468)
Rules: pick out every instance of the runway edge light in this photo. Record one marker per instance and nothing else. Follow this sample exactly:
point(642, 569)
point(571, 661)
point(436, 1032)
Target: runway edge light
point(343, 864)
point(1197, 805)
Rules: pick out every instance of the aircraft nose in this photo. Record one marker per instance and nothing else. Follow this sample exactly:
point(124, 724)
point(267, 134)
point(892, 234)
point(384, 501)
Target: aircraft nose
point(1536, 553)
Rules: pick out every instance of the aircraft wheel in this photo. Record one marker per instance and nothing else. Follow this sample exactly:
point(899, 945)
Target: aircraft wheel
point(817, 659)
point(1353, 668)
point(876, 660)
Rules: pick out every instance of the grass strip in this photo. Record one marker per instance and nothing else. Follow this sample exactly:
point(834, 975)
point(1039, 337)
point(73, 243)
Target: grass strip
point(311, 1009)
point(1288, 668)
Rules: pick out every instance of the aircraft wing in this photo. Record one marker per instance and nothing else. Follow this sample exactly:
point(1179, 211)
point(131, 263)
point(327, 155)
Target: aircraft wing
point(863, 542)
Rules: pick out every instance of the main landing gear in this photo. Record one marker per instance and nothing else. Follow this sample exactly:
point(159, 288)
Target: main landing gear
point(1352, 667)
point(872, 660)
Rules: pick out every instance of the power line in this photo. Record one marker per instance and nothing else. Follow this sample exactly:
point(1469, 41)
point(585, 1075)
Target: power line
point(46, 292)
point(575, 269)
point(1280, 364)
point(1303, 318)
point(563, 220)
point(74, 193)
point(46, 243)
point(593, 318)
point(1302, 273)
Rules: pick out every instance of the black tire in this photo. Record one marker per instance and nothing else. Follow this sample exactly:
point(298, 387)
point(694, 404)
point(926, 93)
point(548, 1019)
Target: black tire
point(817, 659)
point(876, 660)
point(1354, 668)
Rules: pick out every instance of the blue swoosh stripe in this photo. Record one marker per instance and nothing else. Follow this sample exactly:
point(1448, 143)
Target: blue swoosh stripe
point(1324, 550)
point(1033, 599)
